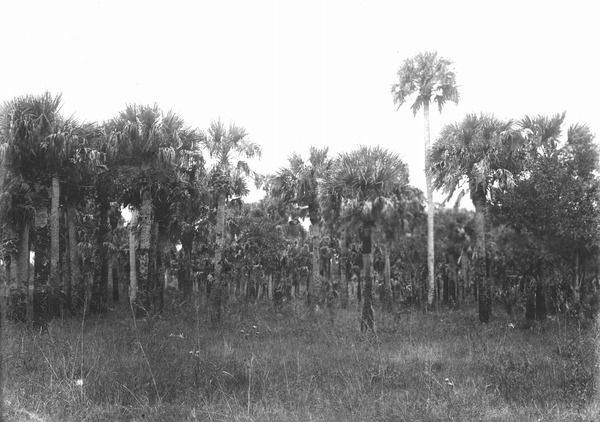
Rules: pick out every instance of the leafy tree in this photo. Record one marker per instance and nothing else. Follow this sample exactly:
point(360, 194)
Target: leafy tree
point(365, 178)
point(298, 184)
point(228, 148)
point(557, 196)
point(481, 151)
point(426, 77)
point(37, 144)
point(145, 144)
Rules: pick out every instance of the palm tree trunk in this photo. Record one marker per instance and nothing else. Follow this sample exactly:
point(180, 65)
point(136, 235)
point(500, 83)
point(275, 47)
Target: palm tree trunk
point(41, 269)
point(187, 243)
point(11, 273)
point(315, 287)
point(154, 274)
point(18, 295)
point(368, 319)
point(388, 303)
point(430, 211)
point(76, 281)
point(343, 270)
point(99, 299)
point(133, 284)
point(161, 269)
point(484, 288)
point(218, 283)
point(54, 293)
point(66, 266)
point(109, 278)
point(145, 223)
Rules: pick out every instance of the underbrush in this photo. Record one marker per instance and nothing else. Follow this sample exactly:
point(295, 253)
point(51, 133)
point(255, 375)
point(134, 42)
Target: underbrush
point(265, 365)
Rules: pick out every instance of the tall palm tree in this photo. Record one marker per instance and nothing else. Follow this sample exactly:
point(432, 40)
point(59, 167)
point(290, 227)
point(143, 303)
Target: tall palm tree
point(426, 78)
point(365, 178)
point(298, 184)
point(38, 143)
point(481, 151)
point(228, 147)
point(144, 144)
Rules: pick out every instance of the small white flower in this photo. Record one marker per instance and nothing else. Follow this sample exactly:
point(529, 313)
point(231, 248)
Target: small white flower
point(79, 382)
point(511, 325)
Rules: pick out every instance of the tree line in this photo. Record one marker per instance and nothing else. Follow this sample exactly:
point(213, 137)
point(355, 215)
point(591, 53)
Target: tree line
point(533, 238)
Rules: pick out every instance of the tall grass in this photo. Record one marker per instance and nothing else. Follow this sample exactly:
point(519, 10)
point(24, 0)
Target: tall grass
point(262, 365)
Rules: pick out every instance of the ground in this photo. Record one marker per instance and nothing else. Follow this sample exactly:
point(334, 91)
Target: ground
point(260, 364)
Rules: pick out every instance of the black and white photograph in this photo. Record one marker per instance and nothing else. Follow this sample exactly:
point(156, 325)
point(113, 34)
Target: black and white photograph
point(264, 211)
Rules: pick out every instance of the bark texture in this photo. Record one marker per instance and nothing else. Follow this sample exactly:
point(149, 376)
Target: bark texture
point(430, 211)
point(367, 322)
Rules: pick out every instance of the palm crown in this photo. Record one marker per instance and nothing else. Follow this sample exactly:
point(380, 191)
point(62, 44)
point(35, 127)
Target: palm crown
point(430, 77)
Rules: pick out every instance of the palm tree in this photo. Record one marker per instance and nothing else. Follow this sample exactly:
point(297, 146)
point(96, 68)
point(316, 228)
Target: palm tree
point(228, 178)
point(428, 78)
point(365, 178)
point(144, 144)
point(481, 151)
point(298, 184)
point(37, 144)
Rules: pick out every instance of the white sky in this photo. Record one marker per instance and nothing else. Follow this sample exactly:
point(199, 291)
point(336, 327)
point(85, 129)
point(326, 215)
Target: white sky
point(303, 73)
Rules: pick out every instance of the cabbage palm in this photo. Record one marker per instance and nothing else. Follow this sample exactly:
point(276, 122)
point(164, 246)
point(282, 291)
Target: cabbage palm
point(481, 151)
point(144, 144)
point(228, 147)
point(37, 144)
point(365, 178)
point(426, 78)
point(298, 184)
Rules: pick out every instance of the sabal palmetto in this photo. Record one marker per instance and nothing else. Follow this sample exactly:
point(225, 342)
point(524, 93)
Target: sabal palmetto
point(365, 178)
point(229, 148)
point(480, 151)
point(423, 79)
point(38, 141)
point(145, 143)
point(298, 184)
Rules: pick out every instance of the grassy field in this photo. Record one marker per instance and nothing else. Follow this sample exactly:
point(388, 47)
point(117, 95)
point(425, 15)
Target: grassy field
point(262, 365)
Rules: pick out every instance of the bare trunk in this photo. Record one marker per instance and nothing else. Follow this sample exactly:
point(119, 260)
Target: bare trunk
point(430, 211)
point(576, 287)
point(315, 292)
point(41, 269)
point(185, 282)
point(367, 322)
point(388, 303)
point(54, 291)
point(18, 295)
point(483, 282)
point(133, 285)
point(155, 270)
point(145, 223)
point(343, 270)
point(160, 269)
point(66, 265)
point(99, 298)
point(216, 291)
point(109, 279)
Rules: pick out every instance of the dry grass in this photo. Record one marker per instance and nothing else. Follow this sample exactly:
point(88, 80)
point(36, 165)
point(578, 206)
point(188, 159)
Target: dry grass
point(260, 365)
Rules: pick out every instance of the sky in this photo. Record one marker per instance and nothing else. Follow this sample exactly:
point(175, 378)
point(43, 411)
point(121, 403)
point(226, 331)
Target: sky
point(302, 73)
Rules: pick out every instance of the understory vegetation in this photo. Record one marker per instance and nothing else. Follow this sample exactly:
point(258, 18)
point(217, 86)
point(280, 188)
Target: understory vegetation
point(260, 364)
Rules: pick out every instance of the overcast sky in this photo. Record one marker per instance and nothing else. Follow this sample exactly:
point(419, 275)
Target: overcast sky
point(303, 73)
